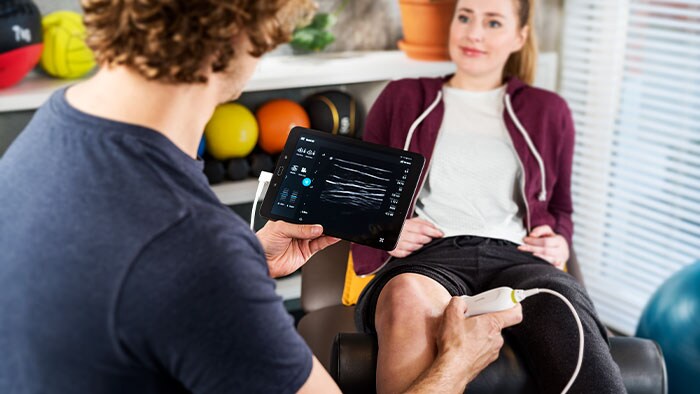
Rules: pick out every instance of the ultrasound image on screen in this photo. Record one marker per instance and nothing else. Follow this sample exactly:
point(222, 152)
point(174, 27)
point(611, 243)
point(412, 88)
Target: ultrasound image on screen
point(359, 185)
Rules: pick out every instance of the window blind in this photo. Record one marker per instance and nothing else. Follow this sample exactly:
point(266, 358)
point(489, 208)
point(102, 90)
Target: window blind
point(631, 75)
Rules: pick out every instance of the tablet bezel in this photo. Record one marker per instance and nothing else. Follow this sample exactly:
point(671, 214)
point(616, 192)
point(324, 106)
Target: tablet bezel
point(405, 202)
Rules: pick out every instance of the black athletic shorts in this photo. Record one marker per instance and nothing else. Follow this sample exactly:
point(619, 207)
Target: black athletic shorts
point(463, 265)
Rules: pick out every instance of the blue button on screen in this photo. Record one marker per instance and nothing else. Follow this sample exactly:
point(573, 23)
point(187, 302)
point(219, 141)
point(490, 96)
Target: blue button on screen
point(306, 182)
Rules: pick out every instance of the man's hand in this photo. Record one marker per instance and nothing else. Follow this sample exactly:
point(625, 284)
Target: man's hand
point(545, 244)
point(473, 342)
point(416, 233)
point(288, 246)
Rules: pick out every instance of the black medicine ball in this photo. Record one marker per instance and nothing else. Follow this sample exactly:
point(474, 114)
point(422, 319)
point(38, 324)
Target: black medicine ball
point(335, 112)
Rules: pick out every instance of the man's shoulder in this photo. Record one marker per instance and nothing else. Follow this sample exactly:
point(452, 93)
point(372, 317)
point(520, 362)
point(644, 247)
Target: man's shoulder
point(208, 238)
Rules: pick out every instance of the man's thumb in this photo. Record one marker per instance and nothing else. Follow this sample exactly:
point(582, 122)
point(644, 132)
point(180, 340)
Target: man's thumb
point(301, 231)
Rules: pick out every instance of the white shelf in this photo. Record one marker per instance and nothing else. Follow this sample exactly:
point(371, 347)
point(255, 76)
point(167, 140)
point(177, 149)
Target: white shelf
point(30, 93)
point(283, 72)
point(275, 72)
point(236, 192)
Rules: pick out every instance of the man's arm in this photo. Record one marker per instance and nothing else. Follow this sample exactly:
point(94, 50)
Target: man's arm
point(319, 381)
point(465, 347)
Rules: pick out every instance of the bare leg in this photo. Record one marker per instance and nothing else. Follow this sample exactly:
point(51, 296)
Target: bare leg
point(408, 312)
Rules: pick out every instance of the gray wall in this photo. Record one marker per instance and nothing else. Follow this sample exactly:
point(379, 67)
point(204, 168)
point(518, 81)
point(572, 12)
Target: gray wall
point(46, 6)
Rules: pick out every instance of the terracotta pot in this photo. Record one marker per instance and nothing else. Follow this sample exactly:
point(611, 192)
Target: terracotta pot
point(426, 28)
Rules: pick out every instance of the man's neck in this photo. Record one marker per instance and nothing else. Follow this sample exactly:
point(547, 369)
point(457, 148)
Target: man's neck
point(179, 112)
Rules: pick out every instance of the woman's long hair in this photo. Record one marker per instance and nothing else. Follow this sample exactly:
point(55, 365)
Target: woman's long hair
point(522, 64)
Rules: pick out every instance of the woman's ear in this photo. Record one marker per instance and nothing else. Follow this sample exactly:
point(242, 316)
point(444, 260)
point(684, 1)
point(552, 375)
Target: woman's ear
point(521, 38)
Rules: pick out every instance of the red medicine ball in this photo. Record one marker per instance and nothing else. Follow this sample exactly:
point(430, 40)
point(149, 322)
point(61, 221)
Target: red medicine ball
point(20, 40)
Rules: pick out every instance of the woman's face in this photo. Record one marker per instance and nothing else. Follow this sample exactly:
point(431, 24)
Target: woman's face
point(483, 34)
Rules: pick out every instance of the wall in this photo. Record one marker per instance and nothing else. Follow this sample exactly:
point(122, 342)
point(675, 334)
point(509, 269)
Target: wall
point(46, 6)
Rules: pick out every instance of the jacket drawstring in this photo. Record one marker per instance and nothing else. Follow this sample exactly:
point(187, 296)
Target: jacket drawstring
point(543, 190)
point(425, 113)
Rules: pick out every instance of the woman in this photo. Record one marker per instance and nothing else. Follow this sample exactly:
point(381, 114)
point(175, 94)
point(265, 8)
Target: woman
point(493, 209)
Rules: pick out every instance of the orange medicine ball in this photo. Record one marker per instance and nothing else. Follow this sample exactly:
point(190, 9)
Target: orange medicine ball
point(276, 118)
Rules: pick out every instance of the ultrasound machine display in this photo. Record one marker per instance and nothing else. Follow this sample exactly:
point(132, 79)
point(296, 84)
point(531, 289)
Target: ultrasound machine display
point(326, 180)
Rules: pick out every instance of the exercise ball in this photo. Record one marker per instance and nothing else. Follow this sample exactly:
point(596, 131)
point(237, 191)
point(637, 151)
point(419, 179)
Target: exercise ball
point(202, 146)
point(276, 119)
point(20, 40)
point(237, 169)
point(259, 162)
point(672, 319)
point(334, 112)
point(231, 132)
point(214, 170)
point(66, 55)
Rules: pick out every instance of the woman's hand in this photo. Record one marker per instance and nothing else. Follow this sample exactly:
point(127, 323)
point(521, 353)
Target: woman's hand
point(545, 244)
point(416, 233)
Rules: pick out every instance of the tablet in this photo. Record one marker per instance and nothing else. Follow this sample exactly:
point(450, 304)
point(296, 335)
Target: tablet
point(358, 191)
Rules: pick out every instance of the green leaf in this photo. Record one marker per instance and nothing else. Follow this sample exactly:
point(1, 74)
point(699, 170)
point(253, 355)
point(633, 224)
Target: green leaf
point(322, 40)
point(323, 21)
point(303, 38)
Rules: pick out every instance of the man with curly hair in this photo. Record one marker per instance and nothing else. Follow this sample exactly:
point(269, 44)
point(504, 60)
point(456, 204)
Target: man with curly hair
point(120, 271)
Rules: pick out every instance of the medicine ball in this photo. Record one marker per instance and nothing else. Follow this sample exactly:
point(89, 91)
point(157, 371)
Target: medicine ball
point(214, 170)
point(20, 40)
point(259, 162)
point(231, 132)
point(237, 169)
point(334, 112)
point(202, 146)
point(276, 119)
point(66, 55)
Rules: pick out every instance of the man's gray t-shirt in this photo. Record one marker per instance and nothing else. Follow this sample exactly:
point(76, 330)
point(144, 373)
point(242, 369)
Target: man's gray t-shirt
point(121, 272)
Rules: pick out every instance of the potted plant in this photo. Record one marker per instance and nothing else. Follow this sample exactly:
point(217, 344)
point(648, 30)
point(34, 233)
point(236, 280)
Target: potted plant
point(316, 36)
point(426, 28)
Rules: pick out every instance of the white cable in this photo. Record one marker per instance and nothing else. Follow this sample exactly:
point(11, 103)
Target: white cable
point(263, 180)
point(542, 196)
point(418, 121)
point(523, 294)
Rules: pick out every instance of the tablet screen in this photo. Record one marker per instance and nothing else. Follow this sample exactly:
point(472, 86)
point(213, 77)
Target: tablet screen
point(358, 191)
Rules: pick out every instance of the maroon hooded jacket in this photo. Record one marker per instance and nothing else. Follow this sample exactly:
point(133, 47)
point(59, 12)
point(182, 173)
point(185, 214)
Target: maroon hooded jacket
point(408, 115)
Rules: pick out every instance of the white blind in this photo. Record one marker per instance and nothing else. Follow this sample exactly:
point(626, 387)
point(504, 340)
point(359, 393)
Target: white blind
point(631, 75)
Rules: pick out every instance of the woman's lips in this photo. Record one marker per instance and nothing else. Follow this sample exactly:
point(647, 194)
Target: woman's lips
point(471, 52)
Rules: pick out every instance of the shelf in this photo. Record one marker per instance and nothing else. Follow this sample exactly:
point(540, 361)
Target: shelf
point(274, 72)
point(238, 192)
point(283, 72)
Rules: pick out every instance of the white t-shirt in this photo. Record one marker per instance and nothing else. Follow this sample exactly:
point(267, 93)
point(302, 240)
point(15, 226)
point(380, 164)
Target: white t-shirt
point(473, 187)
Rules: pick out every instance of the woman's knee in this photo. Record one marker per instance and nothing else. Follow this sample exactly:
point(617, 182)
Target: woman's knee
point(409, 300)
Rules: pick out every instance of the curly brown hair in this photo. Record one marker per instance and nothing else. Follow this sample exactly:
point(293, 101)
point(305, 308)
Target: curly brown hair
point(176, 41)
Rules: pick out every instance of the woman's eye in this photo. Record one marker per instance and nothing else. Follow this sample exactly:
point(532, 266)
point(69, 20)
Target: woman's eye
point(494, 24)
point(463, 18)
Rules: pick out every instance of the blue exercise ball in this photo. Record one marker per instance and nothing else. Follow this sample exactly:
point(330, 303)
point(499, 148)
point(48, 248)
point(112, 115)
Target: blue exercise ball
point(202, 146)
point(672, 319)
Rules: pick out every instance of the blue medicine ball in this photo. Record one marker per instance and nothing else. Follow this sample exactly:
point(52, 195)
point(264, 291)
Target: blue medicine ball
point(672, 318)
point(202, 146)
